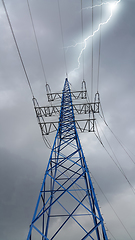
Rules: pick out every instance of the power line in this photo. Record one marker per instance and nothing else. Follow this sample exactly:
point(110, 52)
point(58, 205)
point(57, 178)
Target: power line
point(28, 81)
point(119, 167)
point(112, 151)
point(103, 117)
point(36, 41)
point(120, 144)
point(92, 57)
point(82, 36)
point(46, 141)
point(62, 37)
point(112, 209)
point(111, 234)
point(99, 50)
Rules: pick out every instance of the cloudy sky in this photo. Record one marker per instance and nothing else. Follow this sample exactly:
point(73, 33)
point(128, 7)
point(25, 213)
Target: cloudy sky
point(23, 154)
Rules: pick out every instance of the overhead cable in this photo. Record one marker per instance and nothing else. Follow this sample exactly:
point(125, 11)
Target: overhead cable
point(82, 36)
point(47, 142)
point(112, 209)
point(36, 41)
point(99, 49)
point(131, 186)
point(28, 81)
point(92, 57)
point(103, 117)
point(112, 151)
point(62, 37)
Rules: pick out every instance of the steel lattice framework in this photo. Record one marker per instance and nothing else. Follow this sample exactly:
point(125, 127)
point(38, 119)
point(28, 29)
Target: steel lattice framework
point(67, 206)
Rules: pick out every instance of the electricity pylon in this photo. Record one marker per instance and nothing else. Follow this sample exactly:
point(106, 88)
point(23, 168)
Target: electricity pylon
point(67, 207)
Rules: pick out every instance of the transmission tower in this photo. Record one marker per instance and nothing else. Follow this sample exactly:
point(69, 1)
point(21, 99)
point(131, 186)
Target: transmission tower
point(67, 206)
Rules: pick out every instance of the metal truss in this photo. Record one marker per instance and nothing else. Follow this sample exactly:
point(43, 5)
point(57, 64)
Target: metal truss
point(75, 95)
point(81, 108)
point(83, 125)
point(67, 207)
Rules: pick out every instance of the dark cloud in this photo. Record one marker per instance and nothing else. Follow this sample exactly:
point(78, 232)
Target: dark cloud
point(23, 155)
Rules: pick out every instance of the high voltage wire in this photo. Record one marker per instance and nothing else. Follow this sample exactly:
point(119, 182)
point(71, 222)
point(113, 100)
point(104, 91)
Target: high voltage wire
point(111, 234)
point(92, 55)
point(112, 150)
point(120, 143)
point(103, 117)
point(46, 141)
point(113, 209)
point(36, 41)
point(61, 28)
point(118, 165)
point(82, 36)
point(28, 81)
point(99, 55)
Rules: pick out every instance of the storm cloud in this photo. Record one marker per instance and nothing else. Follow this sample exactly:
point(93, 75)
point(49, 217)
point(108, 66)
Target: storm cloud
point(23, 154)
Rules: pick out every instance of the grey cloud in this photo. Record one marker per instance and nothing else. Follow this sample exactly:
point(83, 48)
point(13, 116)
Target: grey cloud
point(23, 155)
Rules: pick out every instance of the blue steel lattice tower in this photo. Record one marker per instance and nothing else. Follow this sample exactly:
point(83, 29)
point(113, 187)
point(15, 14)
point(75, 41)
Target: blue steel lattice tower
point(67, 206)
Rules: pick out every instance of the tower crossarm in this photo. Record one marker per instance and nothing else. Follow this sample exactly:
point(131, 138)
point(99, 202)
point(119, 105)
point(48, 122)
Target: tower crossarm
point(76, 95)
point(82, 108)
point(83, 125)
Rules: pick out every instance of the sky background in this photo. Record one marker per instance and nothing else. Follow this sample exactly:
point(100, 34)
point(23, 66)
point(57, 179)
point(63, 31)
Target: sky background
point(23, 154)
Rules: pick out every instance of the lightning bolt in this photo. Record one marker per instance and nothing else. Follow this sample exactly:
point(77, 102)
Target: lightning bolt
point(104, 3)
point(90, 36)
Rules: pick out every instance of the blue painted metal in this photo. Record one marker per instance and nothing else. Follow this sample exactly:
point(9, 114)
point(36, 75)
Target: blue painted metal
point(67, 206)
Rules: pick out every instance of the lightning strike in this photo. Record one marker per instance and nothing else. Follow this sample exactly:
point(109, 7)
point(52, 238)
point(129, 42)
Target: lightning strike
point(99, 5)
point(95, 6)
point(112, 7)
